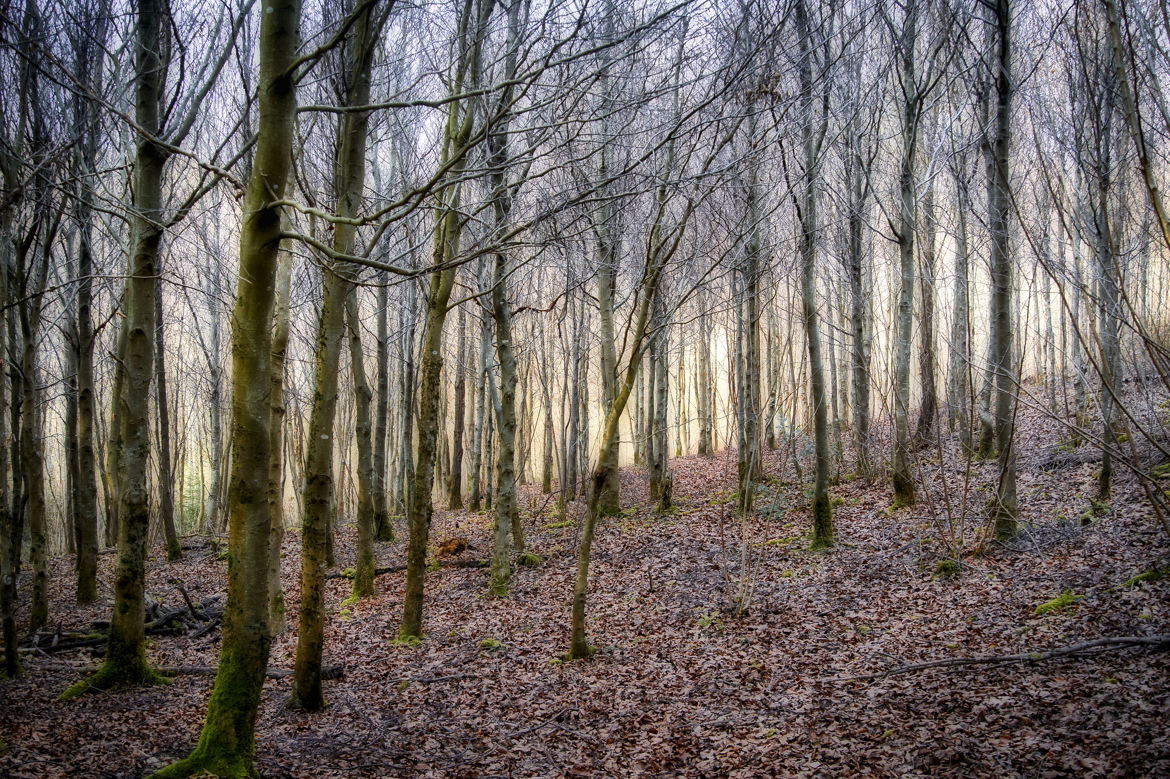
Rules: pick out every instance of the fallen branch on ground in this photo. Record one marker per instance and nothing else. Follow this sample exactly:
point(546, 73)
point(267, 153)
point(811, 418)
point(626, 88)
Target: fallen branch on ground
point(1096, 646)
point(348, 574)
point(332, 672)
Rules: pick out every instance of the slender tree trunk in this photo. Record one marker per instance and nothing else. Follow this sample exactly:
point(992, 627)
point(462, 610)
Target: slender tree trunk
point(11, 523)
point(959, 396)
point(72, 477)
point(114, 450)
point(747, 348)
point(703, 380)
point(33, 464)
point(999, 226)
point(125, 662)
point(479, 412)
point(280, 333)
point(383, 529)
point(363, 578)
point(166, 474)
point(823, 534)
point(926, 354)
point(85, 488)
point(903, 478)
point(448, 226)
point(507, 513)
point(321, 498)
point(455, 486)
point(406, 408)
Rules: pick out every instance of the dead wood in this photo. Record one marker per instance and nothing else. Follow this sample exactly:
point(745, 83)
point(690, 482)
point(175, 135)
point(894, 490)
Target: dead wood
point(331, 672)
point(348, 574)
point(1095, 646)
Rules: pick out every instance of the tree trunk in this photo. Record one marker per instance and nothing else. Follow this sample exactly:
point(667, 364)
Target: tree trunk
point(11, 522)
point(507, 514)
point(280, 333)
point(321, 499)
point(166, 474)
point(363, 577)
point(903, 478)
point(383, 528)
point(449, 224)
point(125, 662)
point(88, 70)
point(926, 354)
point(959, 395)
point(823, 535)
point(999, 225)
point(227, 741)
point(33, 465)
point(114, 450)
point(455, 485)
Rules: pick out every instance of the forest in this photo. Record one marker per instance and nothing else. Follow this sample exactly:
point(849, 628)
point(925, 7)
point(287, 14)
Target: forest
point(584, 388)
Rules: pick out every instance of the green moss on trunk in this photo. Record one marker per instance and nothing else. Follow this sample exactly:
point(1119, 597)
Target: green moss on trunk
point(903, 491)
point(227, 742)
point(125, 666)
point(823, 536)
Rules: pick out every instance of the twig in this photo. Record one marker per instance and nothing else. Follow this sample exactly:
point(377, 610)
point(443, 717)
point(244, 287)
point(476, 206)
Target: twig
point(433, 679)
point(1102, 644)
point(539, 725)
point(377, 572)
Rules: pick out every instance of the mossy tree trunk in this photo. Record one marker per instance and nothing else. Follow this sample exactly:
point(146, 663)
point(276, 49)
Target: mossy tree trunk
point(449, 223)
point(280, 333)
point(227, 741)
point(507, 513)
point(11, 526)
point(363, 579)
point(479, 411)
point(114, 452)
point(349, 180)
point(125, 662)
point(33, 463)
point(813, 129)
point(318, 490)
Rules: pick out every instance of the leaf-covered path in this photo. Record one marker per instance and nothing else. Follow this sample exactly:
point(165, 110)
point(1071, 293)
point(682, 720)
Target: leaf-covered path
point(681, 685)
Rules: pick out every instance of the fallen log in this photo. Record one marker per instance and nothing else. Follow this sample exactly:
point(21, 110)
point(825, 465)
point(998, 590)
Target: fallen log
point(332, 672)
point(348, 574)
point(1093, 647)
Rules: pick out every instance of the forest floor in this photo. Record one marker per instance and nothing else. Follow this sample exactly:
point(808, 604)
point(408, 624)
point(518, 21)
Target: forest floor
point(681, 685)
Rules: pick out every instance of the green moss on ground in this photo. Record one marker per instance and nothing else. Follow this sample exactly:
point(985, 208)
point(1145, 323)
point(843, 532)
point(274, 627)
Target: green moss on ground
point(1058, 604)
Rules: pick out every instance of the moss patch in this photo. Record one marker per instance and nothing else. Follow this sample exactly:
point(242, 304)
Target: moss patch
point(117, 674)
point(1061, 602)
point(947, 568)
point(1152, 575)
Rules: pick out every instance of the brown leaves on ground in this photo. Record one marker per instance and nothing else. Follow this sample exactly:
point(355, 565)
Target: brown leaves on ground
point(680, 685)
